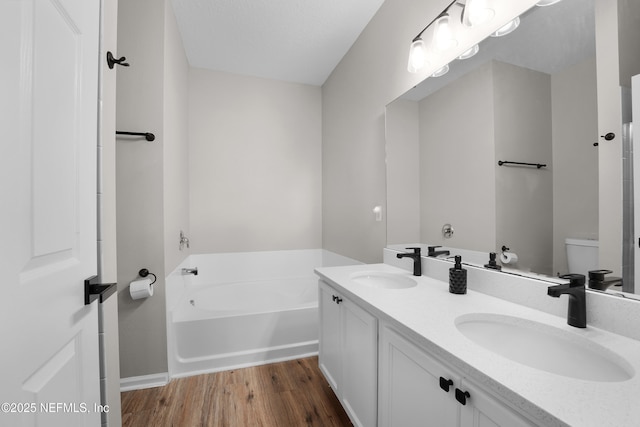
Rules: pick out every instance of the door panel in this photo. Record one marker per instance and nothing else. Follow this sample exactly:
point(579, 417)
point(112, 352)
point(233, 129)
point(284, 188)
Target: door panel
point(48, 215)
point(410, 394)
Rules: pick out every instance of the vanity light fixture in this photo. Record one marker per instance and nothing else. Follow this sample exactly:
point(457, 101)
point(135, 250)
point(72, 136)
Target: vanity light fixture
point(417, 55)
point(508, 28)
point(470, 52)
point(441, 71)
point(473, 12)
point(442, 34)
point(476, 12)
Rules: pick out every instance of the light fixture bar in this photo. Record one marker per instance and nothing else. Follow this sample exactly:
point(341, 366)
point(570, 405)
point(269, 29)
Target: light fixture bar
point(474, 12)
point(444, 12)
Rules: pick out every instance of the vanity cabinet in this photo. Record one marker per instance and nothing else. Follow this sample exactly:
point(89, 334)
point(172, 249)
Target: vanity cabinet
point(415, 389)
point(348, 354)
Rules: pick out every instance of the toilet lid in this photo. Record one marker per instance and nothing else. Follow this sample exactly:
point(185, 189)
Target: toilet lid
point(582, 242)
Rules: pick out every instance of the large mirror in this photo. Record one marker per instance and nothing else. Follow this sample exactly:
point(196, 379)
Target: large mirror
point(455, 145)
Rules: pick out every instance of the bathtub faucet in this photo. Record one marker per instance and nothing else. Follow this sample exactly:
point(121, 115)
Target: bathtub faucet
point(184, 240)
point(193, 271)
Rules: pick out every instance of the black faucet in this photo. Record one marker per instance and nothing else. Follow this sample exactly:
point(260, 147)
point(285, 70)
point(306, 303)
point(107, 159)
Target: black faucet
point(417, 263)
point(434, 253)
point(577, 313)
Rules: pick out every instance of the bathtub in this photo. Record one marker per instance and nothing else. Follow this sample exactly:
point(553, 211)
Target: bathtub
point(244, 309)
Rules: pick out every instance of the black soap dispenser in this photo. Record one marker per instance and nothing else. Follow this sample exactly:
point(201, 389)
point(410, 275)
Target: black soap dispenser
point(458, 277)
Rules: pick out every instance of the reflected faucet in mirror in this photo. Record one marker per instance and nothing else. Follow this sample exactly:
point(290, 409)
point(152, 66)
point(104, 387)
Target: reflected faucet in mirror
point(433, 253)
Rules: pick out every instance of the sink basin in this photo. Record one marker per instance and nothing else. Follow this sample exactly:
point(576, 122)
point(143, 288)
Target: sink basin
point(544, 347)
point(383, 280)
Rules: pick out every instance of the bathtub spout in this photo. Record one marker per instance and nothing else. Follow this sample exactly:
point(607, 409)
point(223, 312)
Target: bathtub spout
point(193, 271)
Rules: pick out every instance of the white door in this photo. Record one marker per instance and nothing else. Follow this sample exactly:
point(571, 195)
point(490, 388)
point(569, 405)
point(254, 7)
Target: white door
point(49, 373)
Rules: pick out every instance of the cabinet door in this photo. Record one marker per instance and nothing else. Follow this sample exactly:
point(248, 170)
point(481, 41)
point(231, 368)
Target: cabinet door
point(329, 355)
point(360, 368)
point(483, 410)
point(410, 392)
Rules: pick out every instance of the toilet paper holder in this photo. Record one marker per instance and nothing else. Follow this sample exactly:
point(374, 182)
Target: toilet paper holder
point(142, 288)
point(507, 257)
point(145, 272)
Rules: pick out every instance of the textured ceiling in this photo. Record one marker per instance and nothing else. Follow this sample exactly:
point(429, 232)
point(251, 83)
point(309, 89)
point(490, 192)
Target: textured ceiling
point(291, 40)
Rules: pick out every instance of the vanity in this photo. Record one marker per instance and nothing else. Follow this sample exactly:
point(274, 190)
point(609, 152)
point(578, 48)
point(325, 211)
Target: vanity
point(400, 350)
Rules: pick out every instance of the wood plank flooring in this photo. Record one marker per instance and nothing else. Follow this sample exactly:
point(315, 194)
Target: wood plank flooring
point(292, 393)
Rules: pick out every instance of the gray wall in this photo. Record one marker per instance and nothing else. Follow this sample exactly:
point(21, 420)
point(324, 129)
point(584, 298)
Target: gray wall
point(524, 195)
point(151, 176)
point(496, 112)
point(457, 146)
point(575, 159)
point(254, 163)
point(176, 138)
point(402, 136)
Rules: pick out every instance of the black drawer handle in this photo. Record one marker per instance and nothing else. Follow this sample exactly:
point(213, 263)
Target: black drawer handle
point(336, 299)
point(462, 396)
point(445, 384)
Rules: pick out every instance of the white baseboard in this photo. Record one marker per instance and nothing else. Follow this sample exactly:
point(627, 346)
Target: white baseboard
point(144, 381)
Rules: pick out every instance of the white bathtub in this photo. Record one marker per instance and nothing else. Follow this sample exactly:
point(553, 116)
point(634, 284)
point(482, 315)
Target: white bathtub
point(244, 309)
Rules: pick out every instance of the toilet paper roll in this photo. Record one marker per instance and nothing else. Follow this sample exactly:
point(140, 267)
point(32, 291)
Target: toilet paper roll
point(508, 258)
point(141, 289)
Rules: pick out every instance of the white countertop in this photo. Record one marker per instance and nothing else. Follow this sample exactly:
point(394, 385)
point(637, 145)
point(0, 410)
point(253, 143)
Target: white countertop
point(426, 313)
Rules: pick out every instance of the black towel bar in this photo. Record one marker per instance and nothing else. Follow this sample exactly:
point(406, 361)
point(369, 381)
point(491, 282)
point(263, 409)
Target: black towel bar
point(148, 135)
point(505, 162)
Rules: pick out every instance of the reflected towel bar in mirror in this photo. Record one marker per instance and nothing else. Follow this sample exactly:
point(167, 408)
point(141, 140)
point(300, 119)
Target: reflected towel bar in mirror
point(505, 162)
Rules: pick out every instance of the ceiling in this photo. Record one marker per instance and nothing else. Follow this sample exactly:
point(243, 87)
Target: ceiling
point(289, 40)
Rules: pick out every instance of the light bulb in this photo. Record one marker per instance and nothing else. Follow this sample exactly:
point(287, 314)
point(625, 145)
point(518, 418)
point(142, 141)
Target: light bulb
point(509, 27)
point(476, 12)
point(469, 52)
point(417, 55)
point(441, 71)
point(442, 34)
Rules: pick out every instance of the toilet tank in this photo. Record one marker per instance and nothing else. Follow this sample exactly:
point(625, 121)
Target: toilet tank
point(582, 255)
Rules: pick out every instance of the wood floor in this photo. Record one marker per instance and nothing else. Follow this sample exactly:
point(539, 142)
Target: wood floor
point(292, 393)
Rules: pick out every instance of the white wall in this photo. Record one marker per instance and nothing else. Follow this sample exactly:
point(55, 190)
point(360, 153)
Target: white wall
point(254, 163)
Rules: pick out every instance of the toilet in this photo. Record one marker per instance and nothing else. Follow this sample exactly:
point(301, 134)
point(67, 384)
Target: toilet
point(582, 255)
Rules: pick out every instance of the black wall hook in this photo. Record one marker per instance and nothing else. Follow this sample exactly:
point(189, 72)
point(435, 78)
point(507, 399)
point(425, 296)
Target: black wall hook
point(111, 61)
point(608, 137)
